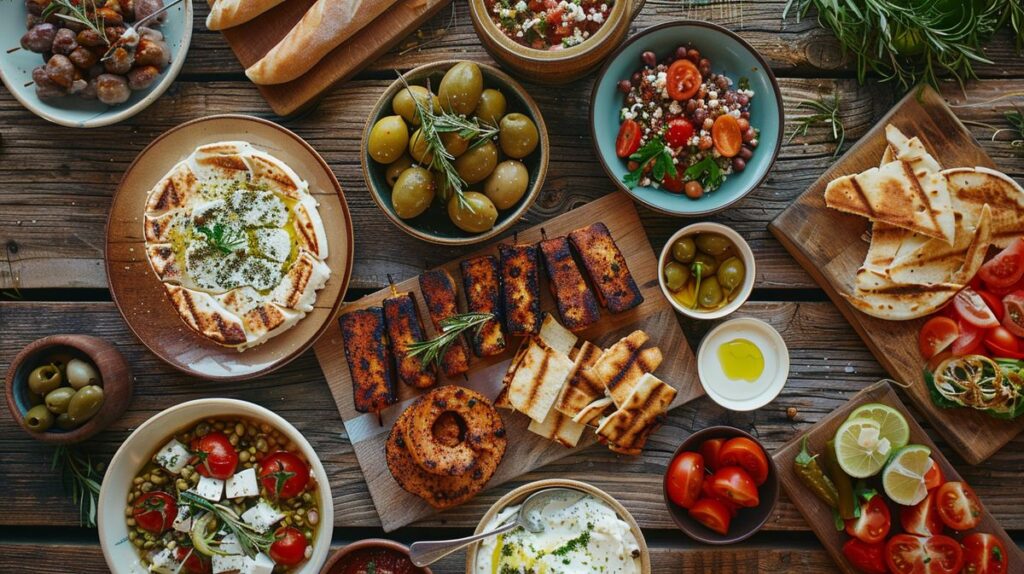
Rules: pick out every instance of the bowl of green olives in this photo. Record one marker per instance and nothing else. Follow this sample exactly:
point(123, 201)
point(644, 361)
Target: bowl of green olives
point(64, 389)
point(455, 152)
point(706, 270)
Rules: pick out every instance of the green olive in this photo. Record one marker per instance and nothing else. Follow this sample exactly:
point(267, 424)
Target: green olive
point(442, 189)
point(418, 148)
point(476, 164)
point(64, 422)
point(85, 404)
point(454, 143)
point(710, 264)
point(396, 168)
point(387, 139)
point(713, 244)
point(81, 373)
point(44, 379)
point(684, 249)
point(507, 183)
point(676, 275)
point(413, 192)
point(404, 105)
point(517, 135)
point(479, 219)
point(57, 400)
point(710, 294)
point(460, 88)
point(38, 419)
point(491, 106)
point(731, 273)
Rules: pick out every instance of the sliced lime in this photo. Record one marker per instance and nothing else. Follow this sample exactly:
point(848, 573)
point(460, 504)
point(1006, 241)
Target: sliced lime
point(894, 426)
point(860, 448)
point(903, 477)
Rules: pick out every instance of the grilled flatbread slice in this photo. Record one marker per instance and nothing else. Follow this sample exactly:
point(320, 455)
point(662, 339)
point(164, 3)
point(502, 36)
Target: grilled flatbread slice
point(973, 188)
point(936, 262)
point(581, 389)
point(627, 429)
point(622, 365)
point(554, 335)
point(559, 428)
point(880, 297)
point(909, 150)
point(260, 318)
point(177, 189)
point(590, 414)
point(207, 316)
point(297, 290)
point(538, 379)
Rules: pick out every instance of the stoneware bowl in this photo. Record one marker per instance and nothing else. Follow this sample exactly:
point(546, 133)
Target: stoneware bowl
point(335, 563)
point(748, 520)
point(137, 449)
point(748, 261)
point(72, 111)
point(729, 55)
point(520, 494)
point(114, 371)
point(433, 225)
point(559, 66)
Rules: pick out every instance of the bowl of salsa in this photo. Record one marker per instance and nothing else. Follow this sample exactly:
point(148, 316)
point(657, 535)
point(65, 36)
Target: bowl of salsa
point(373, 555)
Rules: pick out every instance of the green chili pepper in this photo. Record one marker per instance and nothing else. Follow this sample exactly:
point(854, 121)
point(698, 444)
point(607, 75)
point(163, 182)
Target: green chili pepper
point(810, 473)
point(845, 503)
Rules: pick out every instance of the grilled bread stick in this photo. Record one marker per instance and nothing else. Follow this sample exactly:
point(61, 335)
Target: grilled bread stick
point(404, 328)
point(576, 303)
point(481, 282)
point(520, 288)
point(369, 359)
point(607, 268)
point(438, 290)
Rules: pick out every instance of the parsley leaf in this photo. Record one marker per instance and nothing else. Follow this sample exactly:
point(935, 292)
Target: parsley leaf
point(662, 166)
point(707, 172)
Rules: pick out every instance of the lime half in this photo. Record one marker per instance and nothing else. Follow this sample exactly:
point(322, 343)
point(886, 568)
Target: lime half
point(893, 426)
point(860, 448)
point(903, 477)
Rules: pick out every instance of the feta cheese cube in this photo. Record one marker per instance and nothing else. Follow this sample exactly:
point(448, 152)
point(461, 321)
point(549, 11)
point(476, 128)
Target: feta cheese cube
point(164, 562)
point(223, 564)
point(262, 516)
point(211, 489)
point(229, 545)
point(173, 456)
point(262, 564)
point(183, 521)
point(243, 484)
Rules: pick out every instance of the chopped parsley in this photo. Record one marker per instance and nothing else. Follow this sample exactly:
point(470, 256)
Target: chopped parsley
point(658, 155)
point(707, 172)
point(575, 544)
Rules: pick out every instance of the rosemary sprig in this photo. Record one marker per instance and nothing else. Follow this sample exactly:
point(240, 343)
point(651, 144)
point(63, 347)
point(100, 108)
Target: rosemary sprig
point(433, 350)
point(78, 13)
point(81, 478)
point(823, 111)
point(251, 540)
point(222, 238)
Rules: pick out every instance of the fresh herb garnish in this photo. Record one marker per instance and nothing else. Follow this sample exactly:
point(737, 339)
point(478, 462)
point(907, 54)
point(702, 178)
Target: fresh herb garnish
point(707, 172)
point(252, 541)
point(222, 238)
point(580, 541)
point(81, 12)
point(658, 156)
point(433, 350)
point(82, 479)
point(823, 111)
point(281, 476)
point(371, 567)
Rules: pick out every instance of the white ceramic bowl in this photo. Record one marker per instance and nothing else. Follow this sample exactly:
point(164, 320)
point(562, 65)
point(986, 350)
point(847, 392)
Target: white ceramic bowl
point(745, 253)
point(743, 395)
point(72, 111)
point(120, 554)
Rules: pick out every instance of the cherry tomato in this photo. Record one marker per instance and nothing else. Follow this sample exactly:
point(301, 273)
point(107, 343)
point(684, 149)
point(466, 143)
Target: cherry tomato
point(1003, 343)
point(1007, 290)
point(733, 483)
point(923, 518)
point(192, 562)
point(972, 308)
point(628, 140)
point(684, 479)
point(155, 512)
point(746, 454)
point(680, 130)
point(710, 450)
point(289, 547)
point(937, 334)
point(1014, 319)
point(867, 558)
point(215, 457)
point(682, 80)
point(994, 302)
point(945, 556)
point(707, 492)
point(969, 341)
point(726, 135)
point(907, 554)
point(713, 514)
point(873, 524)
point(984, 554)
point(1006, 268)
point(959, 508)
point(934, 477)
point(674, 184)
point(284, 475)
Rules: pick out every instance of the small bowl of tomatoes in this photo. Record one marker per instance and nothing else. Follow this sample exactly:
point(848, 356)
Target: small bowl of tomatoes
point(721, 485)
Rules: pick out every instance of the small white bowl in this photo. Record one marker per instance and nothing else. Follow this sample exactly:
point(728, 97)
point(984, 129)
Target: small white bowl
point(119, 553)
point(748, 262)
point(743, 395)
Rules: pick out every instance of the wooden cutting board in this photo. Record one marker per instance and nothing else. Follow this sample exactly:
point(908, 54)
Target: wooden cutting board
point(819, 516)
point(526, 451)
point(250, 41)
point(831, 247)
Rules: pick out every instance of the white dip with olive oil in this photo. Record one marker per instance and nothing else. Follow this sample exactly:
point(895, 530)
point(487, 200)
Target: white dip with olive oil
point(579, 537)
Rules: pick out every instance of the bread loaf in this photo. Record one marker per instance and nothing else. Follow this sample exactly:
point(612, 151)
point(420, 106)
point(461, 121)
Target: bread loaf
point(228, 13)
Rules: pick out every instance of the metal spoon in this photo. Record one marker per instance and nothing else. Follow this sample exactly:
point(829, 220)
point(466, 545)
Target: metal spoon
point(426, 553)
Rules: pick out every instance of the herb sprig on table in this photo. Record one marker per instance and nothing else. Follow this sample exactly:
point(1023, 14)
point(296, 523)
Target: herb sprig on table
point(433, 350)
point(81, 479)
point(658, 156)
point(826, 111)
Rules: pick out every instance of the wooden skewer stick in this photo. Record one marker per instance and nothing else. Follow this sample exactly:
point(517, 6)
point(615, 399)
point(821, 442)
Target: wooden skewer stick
point(13, 50)
point(391, 284)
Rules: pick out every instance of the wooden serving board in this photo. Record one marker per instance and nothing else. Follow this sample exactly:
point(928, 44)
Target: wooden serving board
point(831, 246)
point(250, 41)
point(817, 513)
point(526, 451)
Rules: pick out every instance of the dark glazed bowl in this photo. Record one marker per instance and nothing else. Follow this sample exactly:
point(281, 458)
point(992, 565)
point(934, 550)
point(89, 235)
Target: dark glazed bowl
point(334, 563)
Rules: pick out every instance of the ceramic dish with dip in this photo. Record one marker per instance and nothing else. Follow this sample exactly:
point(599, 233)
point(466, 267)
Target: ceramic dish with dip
point(743, 364)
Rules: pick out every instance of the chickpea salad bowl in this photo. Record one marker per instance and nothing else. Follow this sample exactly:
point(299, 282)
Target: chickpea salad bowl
point(687, 118)
point(215, 485)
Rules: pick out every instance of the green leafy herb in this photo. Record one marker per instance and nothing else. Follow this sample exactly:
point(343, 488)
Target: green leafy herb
point(371, 567)
point(81, 478)
point(251, 540)
point(1016, 119)
point(655, 154)
point(433, 350)
point(577, 543)
point(81, 12)
point(707, 172)
point(223, 239)
point(822, 111)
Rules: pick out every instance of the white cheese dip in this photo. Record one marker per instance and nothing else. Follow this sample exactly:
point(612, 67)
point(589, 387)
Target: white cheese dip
point(579, 538)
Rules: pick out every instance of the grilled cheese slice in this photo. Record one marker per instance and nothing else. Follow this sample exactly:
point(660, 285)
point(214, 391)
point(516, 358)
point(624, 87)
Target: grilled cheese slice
point(438, 289)
point(369, 359)
point(520, 288)
point(538, 379)
point(576, 303)
point(607, 268)
point(481, 283)
point(626, 430)
point(405, 328)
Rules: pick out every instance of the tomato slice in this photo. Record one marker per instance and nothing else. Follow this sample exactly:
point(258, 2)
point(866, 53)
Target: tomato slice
point(682, 80)
point(155, 511)
point(944, 555)
point(674, 184)
point(936, 335)
point(874, 522)
point(746, 454)
point(707, 492)
point(867, 558)
point(923, 518)
point(680, 130)
point(685, 478)
point(1006, 268)
point(710, 450)
point(726, 135)
point(1014, 319)
point(734, 484)
point(984, 554)
point(972, 308)
point(628, 140)
point(1003, 344)
point(959, 508)
point(934, 477)
point(994, 302)
point(713, 514)
point(969, 341)
point(904, 554)
point(1006, 291)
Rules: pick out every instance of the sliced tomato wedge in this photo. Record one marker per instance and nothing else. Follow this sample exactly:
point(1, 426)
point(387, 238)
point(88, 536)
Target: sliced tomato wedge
point(994, 302)
point(934, 477)
point(734, 484)
point(680, 130)
point(628, 140)
point(1007, 290)
point(867, 558)
point(746, 454)
point(713, 514)
point(969, 341)
point(685, 478)
point(907, 554)
point(708, 492)
point(874, 522)
point(682, 80)
point(984, 554)
point(710, 450)
point(959, 508)
point(937, 334)
point(1006, 268)
point(972, 309)
point(1003, 344)
point(922, 519)
point(1014, 318)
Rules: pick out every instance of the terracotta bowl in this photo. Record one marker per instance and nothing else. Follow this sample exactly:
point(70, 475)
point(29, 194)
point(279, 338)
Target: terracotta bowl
point(748, 520)
point(333, 565)
point(113, 369)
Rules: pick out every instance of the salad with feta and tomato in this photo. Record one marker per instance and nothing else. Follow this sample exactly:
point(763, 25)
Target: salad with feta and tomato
point(224, 495)
point(549, 24)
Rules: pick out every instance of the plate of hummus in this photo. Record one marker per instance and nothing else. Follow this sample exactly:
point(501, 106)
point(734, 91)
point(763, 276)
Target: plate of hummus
point(592, 534)
point(229, 246)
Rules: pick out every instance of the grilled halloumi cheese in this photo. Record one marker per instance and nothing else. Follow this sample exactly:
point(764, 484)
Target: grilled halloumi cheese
point(626, 430)
point(551, 334)
point(607, 268)
point(369, 359)
point(576, 302)
point(439, 293)
point(481, 282)
point(623, 364)
point(538, 379)
point(581, 389)
point(405, 328)
point(520, 288)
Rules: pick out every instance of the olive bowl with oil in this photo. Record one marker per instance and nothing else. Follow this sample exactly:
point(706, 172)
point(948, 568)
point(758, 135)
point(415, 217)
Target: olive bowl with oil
point(706, 270)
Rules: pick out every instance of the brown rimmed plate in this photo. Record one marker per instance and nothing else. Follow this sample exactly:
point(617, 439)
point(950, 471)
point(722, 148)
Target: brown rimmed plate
point(139, 294)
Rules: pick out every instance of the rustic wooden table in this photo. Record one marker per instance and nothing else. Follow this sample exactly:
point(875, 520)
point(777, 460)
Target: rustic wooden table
point(56, 186)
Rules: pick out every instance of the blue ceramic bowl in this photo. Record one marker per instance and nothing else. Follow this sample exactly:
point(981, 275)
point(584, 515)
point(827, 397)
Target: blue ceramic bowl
point(729, 55)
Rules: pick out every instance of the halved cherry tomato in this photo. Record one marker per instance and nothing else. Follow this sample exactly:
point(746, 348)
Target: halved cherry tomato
point(215, 457)
point(972, 308)
point(289, 547)
point(922, 519)
point(284, 475)
point(733, 483)
point(707, 492)
point(1014, 319)
point(959, 508)
point(945, 556)
point(984, 554)
point(969, 341)
point(682, 80)
point(907, 554)
point(680, 130)
point(934, 477)
point(684, 479)
point(1002, 353)
point(628, 140)
point(1002, 292)
point(1006, 268)
point(994, 302)
point(674, 184)
point(726, 135)
point(867, 558)
point(155, 512)
point(710, 450)
point(713, 514)
point(192, 562)
point(1003, 343)
point(937, 360)
point(874, 522)
point(937, 334)
point(746, 454)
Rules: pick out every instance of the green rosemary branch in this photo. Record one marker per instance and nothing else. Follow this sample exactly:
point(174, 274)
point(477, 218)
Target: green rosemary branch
point(81, 478)
point(251, 541)
point(78, 13)
point(822, 111)
point(433, 350)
